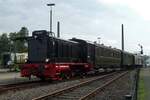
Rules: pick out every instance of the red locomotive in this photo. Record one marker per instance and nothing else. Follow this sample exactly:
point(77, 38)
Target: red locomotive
point(50, 57)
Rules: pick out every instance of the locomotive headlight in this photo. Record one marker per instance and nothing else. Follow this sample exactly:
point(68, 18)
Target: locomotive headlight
point(57, 66)
point(46, 60)
point(46, 66)
point(35, 36)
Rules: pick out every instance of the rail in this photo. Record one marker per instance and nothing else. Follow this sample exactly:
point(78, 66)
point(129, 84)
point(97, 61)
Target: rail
point(18, 86)
point(82, 84)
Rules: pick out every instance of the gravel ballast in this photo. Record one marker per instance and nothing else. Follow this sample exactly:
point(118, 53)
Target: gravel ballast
point(115, 91)
point(118, 89)
point(29, 94)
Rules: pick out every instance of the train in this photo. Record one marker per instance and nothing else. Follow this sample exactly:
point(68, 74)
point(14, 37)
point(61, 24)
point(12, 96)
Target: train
point(56, 58)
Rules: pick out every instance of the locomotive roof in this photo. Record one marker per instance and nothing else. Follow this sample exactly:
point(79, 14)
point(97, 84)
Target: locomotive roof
point(81, 40)
point(46, 33)
point(107, 47)
point(100, 45)
point(128, 53)
point(73, 40)
point(64, 40)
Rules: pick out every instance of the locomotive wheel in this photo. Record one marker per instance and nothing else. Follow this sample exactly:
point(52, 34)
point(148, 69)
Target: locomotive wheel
point(65, 75)
point(29, 77)
point(83, 75)
point(42, 78)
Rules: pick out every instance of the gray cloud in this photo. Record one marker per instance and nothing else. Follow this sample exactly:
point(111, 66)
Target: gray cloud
point(84, 19)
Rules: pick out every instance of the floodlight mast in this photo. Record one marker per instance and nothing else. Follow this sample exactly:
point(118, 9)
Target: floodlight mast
point(51, 19)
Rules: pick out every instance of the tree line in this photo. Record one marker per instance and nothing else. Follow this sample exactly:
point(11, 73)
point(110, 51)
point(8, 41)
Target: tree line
point(14, 41)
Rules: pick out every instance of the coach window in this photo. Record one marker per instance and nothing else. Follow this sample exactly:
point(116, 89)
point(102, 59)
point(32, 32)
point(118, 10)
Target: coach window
point(115, 54)
point(107, 53)
point(111, 54)
point(97, 51)
point(100, 51)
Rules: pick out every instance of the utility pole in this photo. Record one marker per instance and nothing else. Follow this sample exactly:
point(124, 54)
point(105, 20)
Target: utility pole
point(122, 52)
point(58, 29)
point(122, 37)
point(51, 19)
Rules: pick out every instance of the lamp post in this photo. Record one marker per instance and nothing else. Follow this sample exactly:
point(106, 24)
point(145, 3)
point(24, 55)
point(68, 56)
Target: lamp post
point(141, 48)
point(51, 6)
point(122, 27)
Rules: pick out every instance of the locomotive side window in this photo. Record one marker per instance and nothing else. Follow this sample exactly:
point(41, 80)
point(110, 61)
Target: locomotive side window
point(68, 54)
point(71, 51)
point(65, 50)
point(56, 48)
point(59, 49)
point(62, 49)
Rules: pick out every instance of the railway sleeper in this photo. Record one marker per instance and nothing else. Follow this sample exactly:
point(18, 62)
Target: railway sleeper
point(69, 97)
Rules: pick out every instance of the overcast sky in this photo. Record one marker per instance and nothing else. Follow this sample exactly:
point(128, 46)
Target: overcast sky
point(86, 19)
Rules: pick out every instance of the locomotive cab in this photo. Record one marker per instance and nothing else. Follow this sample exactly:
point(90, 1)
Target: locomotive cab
point(40, 47)
point(40, 50)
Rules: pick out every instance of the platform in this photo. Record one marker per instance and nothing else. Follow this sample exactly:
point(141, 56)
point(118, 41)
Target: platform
point(144, 84)
point(4, 70)
point(9, 77)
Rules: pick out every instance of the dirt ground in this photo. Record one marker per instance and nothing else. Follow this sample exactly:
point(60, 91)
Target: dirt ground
point(7, 77)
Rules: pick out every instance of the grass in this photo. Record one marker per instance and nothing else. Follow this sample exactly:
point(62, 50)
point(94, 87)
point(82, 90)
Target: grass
point(141, 89)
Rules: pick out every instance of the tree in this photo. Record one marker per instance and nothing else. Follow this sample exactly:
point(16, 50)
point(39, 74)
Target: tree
point(21, 47)
point(4, 43)
point(12, 44)
point(18, 41)
point(23, 32)
point(12, 37)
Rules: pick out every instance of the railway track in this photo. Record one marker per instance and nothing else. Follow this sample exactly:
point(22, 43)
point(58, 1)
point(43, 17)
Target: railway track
point(83, 90)
point(26, 85)
point(22, 85)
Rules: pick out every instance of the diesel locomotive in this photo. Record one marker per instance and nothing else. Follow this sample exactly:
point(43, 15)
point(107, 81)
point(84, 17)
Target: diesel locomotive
point(56, 58)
